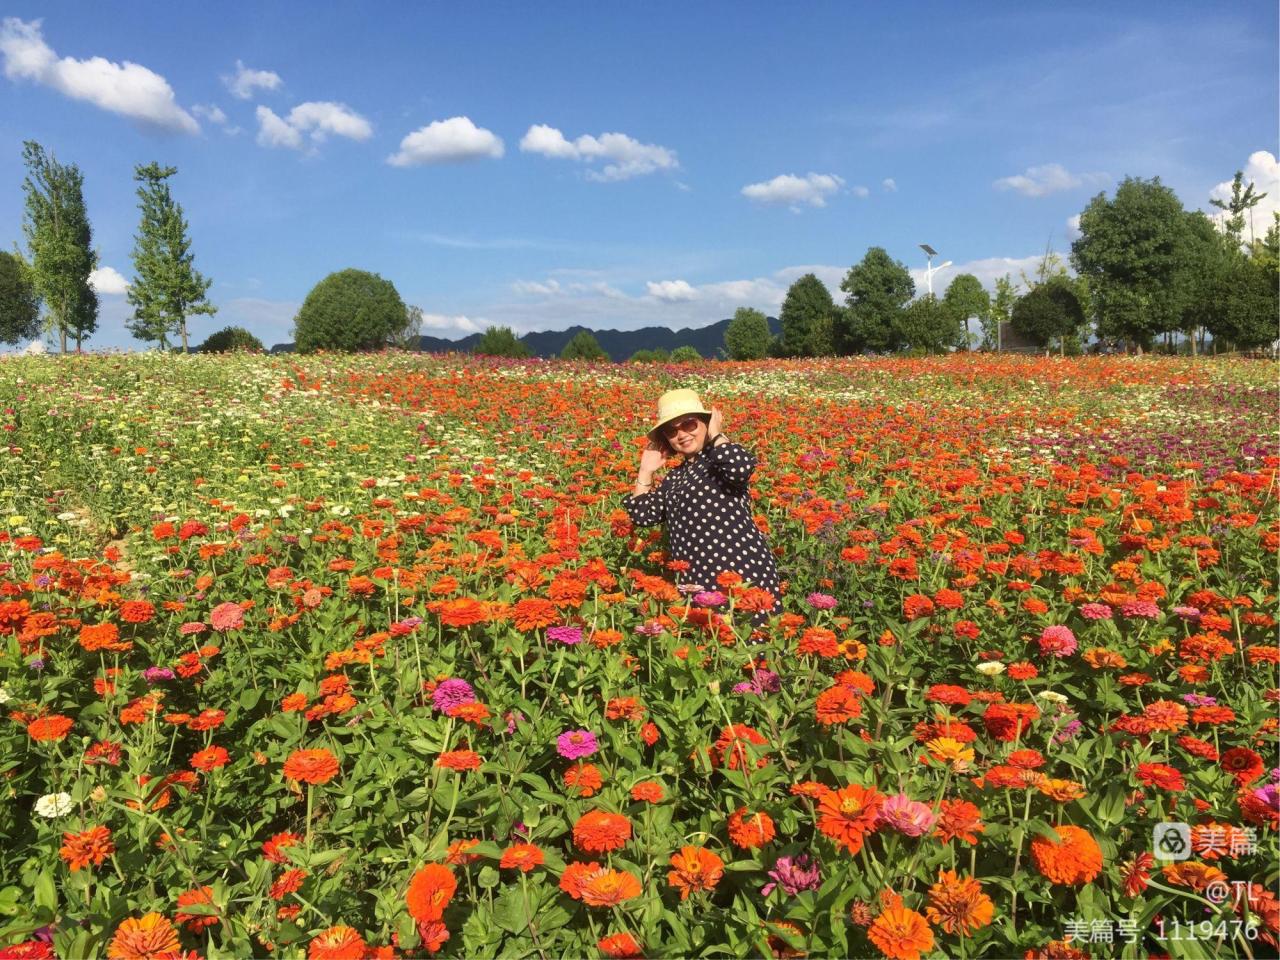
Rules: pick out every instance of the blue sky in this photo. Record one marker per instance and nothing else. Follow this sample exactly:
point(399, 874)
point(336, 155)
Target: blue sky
point(541, 165)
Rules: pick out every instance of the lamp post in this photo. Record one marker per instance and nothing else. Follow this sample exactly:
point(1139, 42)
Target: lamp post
point(931, 269)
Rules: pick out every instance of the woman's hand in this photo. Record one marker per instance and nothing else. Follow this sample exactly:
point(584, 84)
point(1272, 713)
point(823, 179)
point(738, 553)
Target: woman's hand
point(717, 422)
point(652, 458)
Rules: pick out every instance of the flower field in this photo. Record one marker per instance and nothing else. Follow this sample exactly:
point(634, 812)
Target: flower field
point(360, 656)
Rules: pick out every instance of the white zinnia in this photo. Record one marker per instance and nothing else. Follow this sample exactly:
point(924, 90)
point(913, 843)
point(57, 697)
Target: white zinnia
point(991, 668)
point(54, 805)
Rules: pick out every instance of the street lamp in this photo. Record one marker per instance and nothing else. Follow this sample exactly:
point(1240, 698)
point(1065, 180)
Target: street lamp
point(931, 270)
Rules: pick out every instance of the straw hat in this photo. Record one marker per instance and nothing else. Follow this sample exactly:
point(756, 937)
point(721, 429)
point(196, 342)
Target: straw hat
point(675, 404)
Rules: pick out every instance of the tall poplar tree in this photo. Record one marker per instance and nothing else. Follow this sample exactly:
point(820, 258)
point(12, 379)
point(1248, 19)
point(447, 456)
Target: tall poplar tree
point(167, 288)
point(59, 242)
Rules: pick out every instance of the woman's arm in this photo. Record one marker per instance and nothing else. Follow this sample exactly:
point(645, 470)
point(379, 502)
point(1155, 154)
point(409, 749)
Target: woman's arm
point(731, 463)
point(647, 506)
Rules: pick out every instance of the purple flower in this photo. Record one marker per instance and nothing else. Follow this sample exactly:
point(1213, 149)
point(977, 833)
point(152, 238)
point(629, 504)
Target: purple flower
point(157, 674)
point(36, 664)
point(452, 693)
point(794, 875)
point(821, 601)
point(1069, 730)
point(576, 744)
point(710, 598)
point(1199, 700)
point(566, 635)
point(761, 682)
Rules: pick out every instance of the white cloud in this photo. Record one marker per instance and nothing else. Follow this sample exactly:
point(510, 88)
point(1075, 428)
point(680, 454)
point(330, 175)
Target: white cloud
point(794, 191)
point(244, 81)
point(671, 291)
point(109, 281)
point(452, 323)
point(1048, 178)
point(275, 132)
point(447, 141)
point(1073, 227)
point(318, 118)
point(212, 113)
point(890, 185)
point(125, 88)
point(536, 287)
point(1263, 171)
point(625, 157)
point(860, 191)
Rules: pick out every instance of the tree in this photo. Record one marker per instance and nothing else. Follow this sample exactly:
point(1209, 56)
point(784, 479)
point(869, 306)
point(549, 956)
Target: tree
point(1134, 252)
point(408, 337)
point(806, 318)
point(685, 354)
point(500, 342)
point(349, 310)
point(966, 297)
point(1001, 312)
point(583, 346)
point(231, 340)
point(19, 305)
point(1242, 199)
point(644, 355)
point(1210, 272)
point(60, 244)
point(927, 326)
point(167, 287)
point(1250, 303)
point(878, 289)
point(1051, 311)
point(747, 336)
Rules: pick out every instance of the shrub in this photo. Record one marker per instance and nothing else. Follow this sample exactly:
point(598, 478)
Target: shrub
point(685, 354)
point(350, 310)
point(230, 339)
point(500, 342)
point(583, 346)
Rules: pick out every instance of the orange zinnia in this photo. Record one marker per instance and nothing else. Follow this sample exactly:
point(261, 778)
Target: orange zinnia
point(92, 846)
point(430, 891)
point(849, 814)
point(460, 760)
point(608, 888)
point(601, 832)
point(462, 612)
point(53, 727)
point(534, 612)
point(1074, 861)
point(958, 904)
point(696, 868)
point(620, 946)
point(522, 856)
point(311, 766)
point(575, 877)
point(748, 830)
point(583, 778)
point(901, 934)
point(145, 938)
point(195, 922)
point(837, 705)
point(337, 943)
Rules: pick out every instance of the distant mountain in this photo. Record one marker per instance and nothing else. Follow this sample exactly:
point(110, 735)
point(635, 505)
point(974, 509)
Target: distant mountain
point(618, 344)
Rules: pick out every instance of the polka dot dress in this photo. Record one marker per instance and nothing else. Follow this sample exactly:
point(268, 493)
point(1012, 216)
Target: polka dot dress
point(706, 507)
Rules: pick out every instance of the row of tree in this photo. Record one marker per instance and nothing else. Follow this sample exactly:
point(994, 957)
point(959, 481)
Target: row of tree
point(1144, 268)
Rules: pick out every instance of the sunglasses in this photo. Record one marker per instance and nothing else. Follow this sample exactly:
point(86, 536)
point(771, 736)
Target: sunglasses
point(686, 425)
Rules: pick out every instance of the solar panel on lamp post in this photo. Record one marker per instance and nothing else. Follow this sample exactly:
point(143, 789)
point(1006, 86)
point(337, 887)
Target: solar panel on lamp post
point(931, 269)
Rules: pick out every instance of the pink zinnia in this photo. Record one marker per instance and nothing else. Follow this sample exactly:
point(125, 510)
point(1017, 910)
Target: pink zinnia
point(909, 817)
point(821, 601)
point(1187, 613)
point(227, 616)
point(1095, 611)
point(195, 626)
point(710, 598)
point(575, 744)
point(1141, 608)
point(1057, 641)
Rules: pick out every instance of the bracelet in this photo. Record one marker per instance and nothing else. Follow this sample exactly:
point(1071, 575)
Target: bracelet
point(713, 440)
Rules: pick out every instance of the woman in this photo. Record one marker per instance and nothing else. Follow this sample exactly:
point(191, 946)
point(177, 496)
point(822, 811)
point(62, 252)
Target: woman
point(705, 501)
